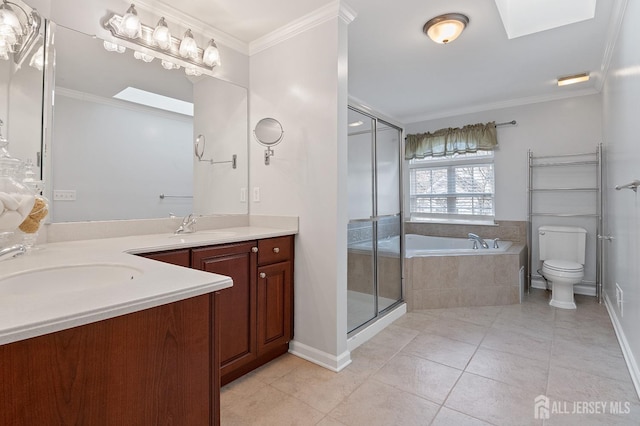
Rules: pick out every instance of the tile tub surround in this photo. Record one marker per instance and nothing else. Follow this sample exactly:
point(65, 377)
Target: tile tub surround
point(457, 366)
point(434, 282)
point(508, 230)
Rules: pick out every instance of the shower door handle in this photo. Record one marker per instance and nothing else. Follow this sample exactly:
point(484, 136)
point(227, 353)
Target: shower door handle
point(605, 237)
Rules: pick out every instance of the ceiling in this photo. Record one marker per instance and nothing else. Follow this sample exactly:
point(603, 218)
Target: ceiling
point(395, 69)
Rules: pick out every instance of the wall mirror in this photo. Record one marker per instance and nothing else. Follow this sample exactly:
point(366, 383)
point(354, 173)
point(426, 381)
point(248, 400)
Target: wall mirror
point(268, 132)
point(123, 132)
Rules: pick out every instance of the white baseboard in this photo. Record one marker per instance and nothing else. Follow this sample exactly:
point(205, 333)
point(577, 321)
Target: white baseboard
point(632, 365)
point(321, 358)
point(584, 289)
point(376, 327)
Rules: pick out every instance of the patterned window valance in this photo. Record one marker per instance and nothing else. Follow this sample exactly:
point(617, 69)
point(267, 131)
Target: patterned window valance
point(470, 138)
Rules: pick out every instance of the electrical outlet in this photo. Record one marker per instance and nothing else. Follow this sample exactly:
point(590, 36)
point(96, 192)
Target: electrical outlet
point(243, 195)
point(256, 194)
point(619, 299)
point(64, 195)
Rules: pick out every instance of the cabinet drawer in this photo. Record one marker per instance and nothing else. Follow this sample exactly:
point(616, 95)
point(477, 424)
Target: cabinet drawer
point(273, 250)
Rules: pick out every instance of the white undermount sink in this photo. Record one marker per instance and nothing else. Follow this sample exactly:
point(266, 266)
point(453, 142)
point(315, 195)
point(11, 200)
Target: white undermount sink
point(64, 279)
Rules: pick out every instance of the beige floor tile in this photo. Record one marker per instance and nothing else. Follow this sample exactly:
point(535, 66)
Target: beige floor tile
point(270, 407)
point(328, 421)
point(492, 401)
point(575, 385)
point(318, 387)
point(481, 315)
point(453, 353)
point(377, 404)
point(457, 330)
point(419, 376)
point(517, 343)
point(277, 368)
point(415, 321)
point(601, 361)
point(370, 357)
point(394, 337)
point(239, 389)
point(448, 417)
point(510, 369)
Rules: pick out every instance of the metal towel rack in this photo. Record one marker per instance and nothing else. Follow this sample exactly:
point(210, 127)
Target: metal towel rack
point(163, 196)
point(633, 185)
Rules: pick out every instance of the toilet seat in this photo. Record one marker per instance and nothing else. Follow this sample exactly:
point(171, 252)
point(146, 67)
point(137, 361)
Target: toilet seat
point(563, 269)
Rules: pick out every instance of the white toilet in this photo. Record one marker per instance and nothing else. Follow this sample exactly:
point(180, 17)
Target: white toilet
point(562, 248)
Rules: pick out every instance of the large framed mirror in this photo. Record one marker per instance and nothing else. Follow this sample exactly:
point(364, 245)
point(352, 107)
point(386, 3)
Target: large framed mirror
point(123, 132)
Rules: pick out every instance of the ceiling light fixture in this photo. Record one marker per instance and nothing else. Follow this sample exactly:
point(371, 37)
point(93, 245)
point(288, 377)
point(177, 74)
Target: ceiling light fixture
point(157, 42)
point(445, 28)
point(356, 123)
point(573, 79)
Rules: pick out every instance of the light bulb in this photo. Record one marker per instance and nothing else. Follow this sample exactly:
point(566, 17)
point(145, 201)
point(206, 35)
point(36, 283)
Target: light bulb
point(162, 35)
point(211, 56)
point(130, 25)
point(188, 46)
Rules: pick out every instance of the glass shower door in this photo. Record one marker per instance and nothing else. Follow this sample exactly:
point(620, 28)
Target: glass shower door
point(361, 294)
point(389, 258)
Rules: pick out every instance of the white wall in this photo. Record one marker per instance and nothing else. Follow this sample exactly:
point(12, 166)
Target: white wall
point(119, 172)
point(302, 83)
point(548, 128)
point(621, 103)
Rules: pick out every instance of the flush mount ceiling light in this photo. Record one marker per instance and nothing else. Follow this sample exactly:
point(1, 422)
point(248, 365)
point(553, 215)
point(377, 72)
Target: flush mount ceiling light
point(356, 123)
point(445, 28)
point(573, 79)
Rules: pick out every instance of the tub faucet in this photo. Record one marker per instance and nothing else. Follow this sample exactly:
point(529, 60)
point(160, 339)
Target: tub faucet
point(477, 240)
point(188, 225)
point(12, 251)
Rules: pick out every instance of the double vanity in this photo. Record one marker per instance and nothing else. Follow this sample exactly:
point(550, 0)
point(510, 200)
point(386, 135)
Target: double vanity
point(141, 329)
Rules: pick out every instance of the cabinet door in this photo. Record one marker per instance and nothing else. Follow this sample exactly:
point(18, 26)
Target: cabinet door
point(275, 306)
point(237, 305)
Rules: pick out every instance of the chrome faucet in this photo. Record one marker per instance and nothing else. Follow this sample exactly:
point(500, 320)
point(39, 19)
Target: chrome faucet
point(12, 251)
point(188, 225)
point(477, 240)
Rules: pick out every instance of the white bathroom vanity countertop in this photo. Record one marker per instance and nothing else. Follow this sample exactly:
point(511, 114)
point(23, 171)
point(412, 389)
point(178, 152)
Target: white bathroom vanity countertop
point(39, 305)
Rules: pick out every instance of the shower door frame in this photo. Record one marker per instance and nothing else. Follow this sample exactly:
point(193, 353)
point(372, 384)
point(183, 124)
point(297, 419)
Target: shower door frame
point(375, 218)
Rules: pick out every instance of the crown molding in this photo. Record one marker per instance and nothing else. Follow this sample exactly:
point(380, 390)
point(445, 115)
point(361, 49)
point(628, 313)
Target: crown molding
point(199, 27)
point(615, 24)
point(410, 119)
point(305, 23)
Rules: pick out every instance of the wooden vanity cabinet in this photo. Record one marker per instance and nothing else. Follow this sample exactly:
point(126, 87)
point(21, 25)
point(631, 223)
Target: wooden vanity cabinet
point(174, 257)
point(145, 368)
point(238, 346)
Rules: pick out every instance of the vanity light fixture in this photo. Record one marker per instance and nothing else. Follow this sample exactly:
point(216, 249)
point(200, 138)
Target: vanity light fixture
point(445, 28)
point(18, 31)
point(162, 35)
point(37, 60)
point(211, 55)
point(573, 79)
point(158, 39)
point(131, 25)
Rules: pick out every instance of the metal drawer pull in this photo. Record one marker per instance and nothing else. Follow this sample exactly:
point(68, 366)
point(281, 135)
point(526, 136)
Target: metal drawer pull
point(276, 250)
point(263, 275)
point(254, 249)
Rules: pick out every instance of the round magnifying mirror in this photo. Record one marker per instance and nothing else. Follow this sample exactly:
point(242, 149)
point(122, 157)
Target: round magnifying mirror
point(268, 132)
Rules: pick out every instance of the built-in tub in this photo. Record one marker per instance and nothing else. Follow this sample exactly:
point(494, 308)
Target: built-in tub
point(442, 272)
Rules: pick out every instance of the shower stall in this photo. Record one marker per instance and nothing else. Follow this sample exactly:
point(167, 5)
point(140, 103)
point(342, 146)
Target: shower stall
point(374, 271)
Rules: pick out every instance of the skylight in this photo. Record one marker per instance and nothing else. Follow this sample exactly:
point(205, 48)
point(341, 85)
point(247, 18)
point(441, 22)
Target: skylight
point(154, 100)
point(523, 17)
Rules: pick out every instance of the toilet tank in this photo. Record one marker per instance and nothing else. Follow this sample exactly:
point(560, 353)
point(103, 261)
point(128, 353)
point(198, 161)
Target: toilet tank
point(562, 243)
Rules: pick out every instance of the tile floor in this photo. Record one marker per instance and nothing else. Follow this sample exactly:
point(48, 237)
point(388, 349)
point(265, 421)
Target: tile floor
point(458, 366)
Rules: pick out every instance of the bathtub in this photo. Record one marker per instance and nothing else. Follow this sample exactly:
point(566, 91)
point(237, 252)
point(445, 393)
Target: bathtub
point(422, 245)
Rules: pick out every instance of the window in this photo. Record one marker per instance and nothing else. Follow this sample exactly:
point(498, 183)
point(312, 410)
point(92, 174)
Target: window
point(454, 187)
